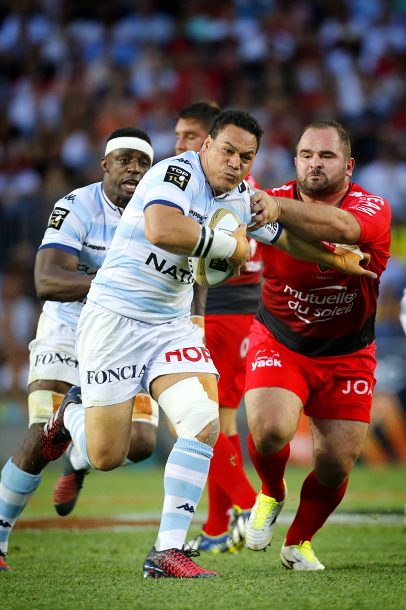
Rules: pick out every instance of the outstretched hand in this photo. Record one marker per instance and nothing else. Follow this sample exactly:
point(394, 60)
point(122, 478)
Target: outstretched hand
point(350, 259)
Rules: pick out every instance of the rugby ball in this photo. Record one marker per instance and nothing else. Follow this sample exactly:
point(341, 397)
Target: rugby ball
point(212, 272)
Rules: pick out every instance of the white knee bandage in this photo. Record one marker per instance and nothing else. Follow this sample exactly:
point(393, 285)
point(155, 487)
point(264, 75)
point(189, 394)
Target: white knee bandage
point(188, 407)
point(42, 404)
point(145, 409)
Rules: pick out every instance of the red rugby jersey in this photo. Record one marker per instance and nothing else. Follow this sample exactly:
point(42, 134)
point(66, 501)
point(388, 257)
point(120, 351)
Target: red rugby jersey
point(318, 311)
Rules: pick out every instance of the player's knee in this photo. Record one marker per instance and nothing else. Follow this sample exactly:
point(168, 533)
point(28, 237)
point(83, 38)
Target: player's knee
point(210, 433)
point(143, 441)
point(106, 458)
point(268, 440)
point(192, 413)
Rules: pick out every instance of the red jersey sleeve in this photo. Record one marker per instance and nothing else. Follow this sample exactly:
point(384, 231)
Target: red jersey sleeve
point(372, 212)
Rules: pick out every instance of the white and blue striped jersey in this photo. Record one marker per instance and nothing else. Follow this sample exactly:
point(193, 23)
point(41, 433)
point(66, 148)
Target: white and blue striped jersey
point(142, 281)
point(82, 223)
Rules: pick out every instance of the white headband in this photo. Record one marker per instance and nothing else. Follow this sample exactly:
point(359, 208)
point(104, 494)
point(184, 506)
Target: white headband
point(130, 142)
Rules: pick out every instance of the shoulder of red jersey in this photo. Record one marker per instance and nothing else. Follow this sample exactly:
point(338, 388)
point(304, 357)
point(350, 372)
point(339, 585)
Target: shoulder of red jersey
point(252, 182)
point(361, 200)
point(287, 190)
point(373, 214)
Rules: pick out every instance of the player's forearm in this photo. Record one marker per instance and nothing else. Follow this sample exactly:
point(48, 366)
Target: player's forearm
point(340, 259)
point(199, 300)
point(317, 221)
point(62, 286)
point(312, 252)
point(182, 235)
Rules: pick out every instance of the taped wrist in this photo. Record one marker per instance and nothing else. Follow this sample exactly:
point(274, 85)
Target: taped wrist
point(214, 243)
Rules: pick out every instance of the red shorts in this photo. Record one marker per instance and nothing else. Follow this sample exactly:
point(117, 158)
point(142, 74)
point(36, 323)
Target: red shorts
point(226, 337)
point(330, 387)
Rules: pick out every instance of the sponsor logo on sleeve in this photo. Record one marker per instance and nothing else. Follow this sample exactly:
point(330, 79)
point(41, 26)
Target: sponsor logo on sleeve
point(178, 176)
point(368, 204)
point(57, 218)
point(185, 161)
point(71, 197)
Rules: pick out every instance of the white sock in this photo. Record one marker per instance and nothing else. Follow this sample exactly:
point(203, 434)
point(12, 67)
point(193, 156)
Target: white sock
point(74, 421)
point(184, 480)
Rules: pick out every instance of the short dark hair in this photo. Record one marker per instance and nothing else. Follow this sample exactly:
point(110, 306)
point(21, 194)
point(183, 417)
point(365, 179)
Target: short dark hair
point(325, 124)
point(130, 132)
point(204, 112)
point(239, 118)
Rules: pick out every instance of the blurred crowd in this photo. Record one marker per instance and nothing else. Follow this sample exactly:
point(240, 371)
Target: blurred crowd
point(73, 71)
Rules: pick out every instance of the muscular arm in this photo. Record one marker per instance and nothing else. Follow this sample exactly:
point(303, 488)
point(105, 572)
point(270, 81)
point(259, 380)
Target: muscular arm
point(312, 221)
point(56, 277)
point(341, 260)
point(167, 228)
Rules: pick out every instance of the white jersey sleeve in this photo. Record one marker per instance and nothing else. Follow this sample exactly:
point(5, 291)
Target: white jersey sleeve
point(172, 183)
point(239, 201)
point(67, 225)
point(268, 234)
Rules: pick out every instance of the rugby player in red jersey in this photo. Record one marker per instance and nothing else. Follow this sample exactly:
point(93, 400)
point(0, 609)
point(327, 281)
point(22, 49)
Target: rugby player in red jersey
point(312, 345)
point(229, 312)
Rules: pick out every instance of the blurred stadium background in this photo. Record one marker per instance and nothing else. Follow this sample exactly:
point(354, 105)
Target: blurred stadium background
point(72, 71)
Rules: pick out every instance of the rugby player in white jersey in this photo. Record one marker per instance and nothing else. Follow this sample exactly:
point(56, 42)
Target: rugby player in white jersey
point(74, 246)
point(228, 315)
point(135, 331)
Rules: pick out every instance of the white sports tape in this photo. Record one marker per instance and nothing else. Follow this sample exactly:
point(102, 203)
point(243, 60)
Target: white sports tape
point(132, 143)
point(42, 404)
point(188, 407)
point(352, 248)
point(215, 243)
point(145, 409)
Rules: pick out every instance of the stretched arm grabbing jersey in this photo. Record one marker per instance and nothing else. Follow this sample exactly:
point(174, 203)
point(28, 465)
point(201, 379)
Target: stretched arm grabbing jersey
point(313, 221)
point(338, 258)
point(169, 229)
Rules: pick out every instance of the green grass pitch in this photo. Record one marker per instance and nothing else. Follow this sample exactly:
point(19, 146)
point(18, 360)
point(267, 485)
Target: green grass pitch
point(99, 569)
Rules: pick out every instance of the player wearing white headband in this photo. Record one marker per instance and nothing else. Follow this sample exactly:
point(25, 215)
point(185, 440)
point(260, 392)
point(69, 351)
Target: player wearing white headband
point(74, 246)
point(129, 143)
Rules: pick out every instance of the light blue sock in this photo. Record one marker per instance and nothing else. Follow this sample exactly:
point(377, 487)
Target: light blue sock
point(184, 480)
point(74, 421)
point(16, 488)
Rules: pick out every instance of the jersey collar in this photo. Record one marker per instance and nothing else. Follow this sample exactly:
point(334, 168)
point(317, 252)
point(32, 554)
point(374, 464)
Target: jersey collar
point(111, 205)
